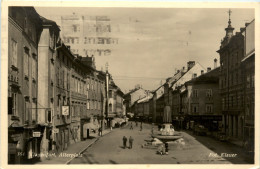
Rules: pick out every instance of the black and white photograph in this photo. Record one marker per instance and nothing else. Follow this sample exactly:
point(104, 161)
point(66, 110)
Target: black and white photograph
point(130, 85)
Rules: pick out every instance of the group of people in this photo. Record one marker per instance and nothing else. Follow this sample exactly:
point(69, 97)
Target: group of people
point(131, 140)
point(136, 123)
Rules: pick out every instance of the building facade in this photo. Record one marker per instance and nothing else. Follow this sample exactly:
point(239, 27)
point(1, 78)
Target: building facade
point(202, 103)
point(231, 83)
point(24, 130)
point(248, 67)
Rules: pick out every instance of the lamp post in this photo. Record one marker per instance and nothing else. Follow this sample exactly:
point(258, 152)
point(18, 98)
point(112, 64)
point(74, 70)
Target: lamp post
point(107, 89)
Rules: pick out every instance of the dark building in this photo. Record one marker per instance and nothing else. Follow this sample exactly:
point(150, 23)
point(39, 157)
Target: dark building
point(248, 68)
point(231, 83)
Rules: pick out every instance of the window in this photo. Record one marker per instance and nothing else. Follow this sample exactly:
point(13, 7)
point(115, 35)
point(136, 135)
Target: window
point(209, 93)
point(72, 111)
point(12, 104)
point(223, 103)
point(110, 107)
point(26, 63)
point(88, 105)
point(253, 80)
point(110, 94)
point(195, 93)
point(209, 108)
point(34, 69)
point(248, 81)
point(13, 58)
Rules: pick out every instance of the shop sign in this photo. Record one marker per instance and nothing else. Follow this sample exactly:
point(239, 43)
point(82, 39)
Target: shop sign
point(36, 134)
point(65, 110)
point(55, 130)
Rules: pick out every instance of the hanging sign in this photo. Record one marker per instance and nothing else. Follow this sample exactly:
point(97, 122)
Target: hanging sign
point(36, 134)
point(65, 110)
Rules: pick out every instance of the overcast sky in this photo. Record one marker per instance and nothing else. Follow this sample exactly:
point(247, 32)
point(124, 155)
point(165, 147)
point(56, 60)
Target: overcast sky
point(153, 42)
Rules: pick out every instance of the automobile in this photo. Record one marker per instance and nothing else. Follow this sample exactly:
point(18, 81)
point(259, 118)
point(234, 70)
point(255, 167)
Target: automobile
point(200, 130)
point(222, 136)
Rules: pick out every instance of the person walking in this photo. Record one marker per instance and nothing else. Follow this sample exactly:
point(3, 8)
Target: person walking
point(100, 131)
point(131, 126)
point(141, 127)
point(124, 141)
point(131, 140)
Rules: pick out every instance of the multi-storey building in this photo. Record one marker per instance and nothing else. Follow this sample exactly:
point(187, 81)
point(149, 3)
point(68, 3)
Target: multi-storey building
point(115, 102)
point(46, 77)
point(248, 67)
point(231, 82)
point(24, 130)
point(202, 102)
point(131, 97)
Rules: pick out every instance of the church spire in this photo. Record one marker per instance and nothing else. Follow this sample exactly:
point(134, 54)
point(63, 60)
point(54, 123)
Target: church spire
point(229, 29)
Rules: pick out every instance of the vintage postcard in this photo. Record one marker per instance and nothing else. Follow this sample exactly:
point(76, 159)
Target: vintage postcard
point(129, 83)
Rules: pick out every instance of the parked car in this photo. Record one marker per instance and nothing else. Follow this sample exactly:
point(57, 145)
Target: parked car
point(222, 136)
point(200, 130)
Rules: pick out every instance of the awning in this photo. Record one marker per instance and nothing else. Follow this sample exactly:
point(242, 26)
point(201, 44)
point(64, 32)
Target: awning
point(90, 126)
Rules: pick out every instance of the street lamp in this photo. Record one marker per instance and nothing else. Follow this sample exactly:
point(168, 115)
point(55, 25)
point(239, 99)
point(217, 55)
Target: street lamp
point(107, 89)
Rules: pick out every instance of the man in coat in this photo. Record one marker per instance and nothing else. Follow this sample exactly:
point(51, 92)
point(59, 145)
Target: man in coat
point(124, 141)
point(131, 140)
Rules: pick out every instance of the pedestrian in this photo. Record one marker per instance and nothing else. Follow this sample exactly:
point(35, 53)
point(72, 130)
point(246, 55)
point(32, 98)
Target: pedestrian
point(124, 141)
point(166, 148)
point(141, 127)
point(131, 126)
point(131, 140)
point(152, 129)
point(100, 131)
point(136, 123)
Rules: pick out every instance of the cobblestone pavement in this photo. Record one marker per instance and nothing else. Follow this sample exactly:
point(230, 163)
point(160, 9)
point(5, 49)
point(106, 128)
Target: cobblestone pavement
point(197, 150)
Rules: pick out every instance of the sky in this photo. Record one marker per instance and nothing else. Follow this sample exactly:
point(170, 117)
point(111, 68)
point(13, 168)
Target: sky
point(155, 42)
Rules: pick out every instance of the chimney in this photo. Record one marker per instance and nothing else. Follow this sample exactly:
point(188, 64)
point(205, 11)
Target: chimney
point(208, 69)
point(190, 64)
point(215, 63)
point(202, 71)
point(194, 75)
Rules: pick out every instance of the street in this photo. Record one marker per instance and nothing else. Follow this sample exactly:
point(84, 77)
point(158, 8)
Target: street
point(197, 150)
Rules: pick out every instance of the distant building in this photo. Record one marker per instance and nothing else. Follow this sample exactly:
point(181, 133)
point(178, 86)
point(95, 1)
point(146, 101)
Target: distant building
point(132, 96)
point(89, 35)
point(115, 102)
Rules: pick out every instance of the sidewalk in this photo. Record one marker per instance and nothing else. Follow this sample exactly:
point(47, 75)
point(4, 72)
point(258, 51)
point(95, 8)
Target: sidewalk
point(73, 150)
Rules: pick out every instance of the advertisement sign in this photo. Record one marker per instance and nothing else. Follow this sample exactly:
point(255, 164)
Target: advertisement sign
point(65, 110)
point(36, 134)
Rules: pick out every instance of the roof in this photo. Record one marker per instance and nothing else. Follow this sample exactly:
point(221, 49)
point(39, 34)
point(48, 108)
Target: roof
point(145, 99)
point(209, 77)
point(188, 75)
point(52, 23)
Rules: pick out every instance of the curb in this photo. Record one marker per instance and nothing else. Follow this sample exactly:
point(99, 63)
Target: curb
point(68, 162)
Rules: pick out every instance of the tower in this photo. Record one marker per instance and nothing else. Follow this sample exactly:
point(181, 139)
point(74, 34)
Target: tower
point(229, 29)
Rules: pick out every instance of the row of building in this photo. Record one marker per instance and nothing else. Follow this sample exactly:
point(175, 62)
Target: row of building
point(221, 99)
point(55, 97)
